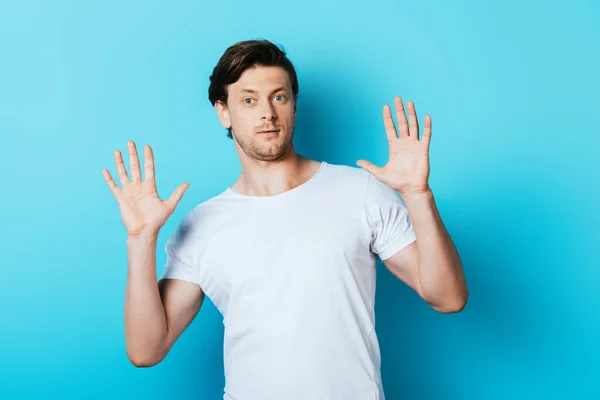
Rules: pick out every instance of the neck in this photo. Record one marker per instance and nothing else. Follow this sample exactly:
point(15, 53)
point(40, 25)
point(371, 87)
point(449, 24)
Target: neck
point(269, 178)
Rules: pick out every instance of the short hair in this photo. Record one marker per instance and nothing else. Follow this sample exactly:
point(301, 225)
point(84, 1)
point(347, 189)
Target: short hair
point(242, 56)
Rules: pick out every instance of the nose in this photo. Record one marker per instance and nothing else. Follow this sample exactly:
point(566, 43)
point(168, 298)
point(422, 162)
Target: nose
point(268, 112)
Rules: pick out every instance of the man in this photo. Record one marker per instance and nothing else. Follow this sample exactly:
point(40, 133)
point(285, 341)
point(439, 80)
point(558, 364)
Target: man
point(288, 252)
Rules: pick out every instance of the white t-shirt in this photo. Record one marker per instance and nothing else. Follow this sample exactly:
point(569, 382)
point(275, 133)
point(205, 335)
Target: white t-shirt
point(294, 277)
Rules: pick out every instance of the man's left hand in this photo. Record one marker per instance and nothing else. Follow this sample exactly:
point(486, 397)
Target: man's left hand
point(407, 169)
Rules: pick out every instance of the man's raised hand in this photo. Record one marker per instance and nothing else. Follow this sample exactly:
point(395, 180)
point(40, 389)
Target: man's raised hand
point(142, 211)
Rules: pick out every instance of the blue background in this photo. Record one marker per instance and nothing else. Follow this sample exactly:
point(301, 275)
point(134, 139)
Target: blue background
point(512, 88)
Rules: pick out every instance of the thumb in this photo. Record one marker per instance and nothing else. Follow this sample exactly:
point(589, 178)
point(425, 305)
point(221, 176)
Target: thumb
point(176, 196)
point(369, 167)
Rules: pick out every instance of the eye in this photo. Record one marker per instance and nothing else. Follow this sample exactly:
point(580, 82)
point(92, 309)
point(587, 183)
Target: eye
point(280, 97)
point(248, 101)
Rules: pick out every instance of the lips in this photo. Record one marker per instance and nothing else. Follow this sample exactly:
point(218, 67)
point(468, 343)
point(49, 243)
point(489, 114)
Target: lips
point(270, 131)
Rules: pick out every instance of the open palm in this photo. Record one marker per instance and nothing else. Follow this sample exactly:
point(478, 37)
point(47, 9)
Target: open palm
point(142, 210)
point(407, 169)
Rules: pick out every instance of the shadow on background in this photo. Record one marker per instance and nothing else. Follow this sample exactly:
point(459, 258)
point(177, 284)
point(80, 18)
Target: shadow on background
point(508, 329)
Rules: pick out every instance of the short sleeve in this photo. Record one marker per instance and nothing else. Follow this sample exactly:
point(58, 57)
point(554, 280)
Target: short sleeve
point(391, 228)
point(181, 247)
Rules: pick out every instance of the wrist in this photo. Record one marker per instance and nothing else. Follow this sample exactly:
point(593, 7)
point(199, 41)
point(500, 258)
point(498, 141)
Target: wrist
point(416, 195)
point(142, 238)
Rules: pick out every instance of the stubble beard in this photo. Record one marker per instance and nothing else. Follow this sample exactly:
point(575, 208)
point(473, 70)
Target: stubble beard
point(261, 149)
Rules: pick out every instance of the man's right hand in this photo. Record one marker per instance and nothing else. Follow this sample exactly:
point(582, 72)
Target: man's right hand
point(142, 211)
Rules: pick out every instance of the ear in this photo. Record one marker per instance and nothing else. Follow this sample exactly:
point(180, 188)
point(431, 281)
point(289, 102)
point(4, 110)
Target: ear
point(223, 113)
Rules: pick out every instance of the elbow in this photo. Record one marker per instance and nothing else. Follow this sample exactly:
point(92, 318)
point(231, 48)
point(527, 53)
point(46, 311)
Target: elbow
point(141, 362)
point(451, 306)
point(143, 359)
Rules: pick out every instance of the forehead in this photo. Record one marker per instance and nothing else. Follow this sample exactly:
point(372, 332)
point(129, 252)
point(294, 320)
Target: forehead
point(261, 78)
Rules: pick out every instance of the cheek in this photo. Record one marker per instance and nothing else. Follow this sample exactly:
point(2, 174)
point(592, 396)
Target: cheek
point(243, 120)
point(290, 117)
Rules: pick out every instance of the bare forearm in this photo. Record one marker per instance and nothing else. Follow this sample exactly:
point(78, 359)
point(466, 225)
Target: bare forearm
point(145, 320)
point(441, 276)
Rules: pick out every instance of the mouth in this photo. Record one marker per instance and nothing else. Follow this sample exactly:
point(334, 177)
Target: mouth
point(273, 131)
point(269, 134)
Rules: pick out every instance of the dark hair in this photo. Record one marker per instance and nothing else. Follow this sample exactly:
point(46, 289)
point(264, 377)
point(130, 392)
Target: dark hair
point(242, 56)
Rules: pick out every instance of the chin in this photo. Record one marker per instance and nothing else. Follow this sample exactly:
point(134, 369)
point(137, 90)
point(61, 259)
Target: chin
point(270, 151)
point(265, 149)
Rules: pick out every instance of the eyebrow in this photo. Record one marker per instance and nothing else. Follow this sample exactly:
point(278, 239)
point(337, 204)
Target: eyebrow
point(254, 91)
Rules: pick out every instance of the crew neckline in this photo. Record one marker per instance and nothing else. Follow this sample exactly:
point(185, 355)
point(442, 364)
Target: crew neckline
point(231, 192)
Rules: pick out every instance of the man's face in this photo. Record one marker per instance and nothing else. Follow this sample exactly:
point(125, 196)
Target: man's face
point(260, 111)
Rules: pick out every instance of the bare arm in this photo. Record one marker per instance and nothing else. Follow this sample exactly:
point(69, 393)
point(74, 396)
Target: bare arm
point(155, 313)
point(431, 265)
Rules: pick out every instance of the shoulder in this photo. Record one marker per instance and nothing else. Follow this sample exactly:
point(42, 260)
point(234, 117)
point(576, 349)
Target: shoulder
point(347, 176)
point(344, 185)
point(201, 218)
point(347, 171)
point(359, 183)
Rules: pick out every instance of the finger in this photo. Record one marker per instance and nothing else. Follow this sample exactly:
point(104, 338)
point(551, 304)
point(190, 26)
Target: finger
point(134, 162)
point(413, 124)
point(111, 183)
point(388, 123)
point(427, 131)
point(121, 171)
point(369, 167)
point(401, 117)
point(149, 166)
point(176, 196)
